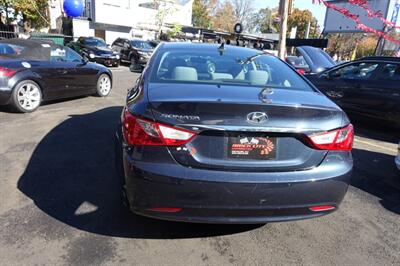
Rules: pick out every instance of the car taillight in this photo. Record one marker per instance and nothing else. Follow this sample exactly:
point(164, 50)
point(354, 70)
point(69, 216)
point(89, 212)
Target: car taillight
point(138, 131)
point(6, 72)
point(301, 71)
point(336, 140)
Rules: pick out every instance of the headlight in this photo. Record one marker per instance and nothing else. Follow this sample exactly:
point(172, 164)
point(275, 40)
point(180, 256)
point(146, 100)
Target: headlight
point(117, 56)
point(92, 56)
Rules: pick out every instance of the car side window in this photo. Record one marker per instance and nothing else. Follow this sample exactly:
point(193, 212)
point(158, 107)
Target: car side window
point(390, 72)
point(64, 54)
point(357, 71)
point(57, 54)
point(72, 56)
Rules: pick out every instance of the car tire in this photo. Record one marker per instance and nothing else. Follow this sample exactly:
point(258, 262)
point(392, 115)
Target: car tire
point(104, 85)
point(26, 96)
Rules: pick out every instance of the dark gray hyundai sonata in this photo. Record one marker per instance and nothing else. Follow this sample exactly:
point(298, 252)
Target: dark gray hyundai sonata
point(222, 134)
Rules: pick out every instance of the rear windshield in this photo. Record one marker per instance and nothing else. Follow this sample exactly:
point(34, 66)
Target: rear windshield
point(232, 67)
point(319, 57)
point(297, 61)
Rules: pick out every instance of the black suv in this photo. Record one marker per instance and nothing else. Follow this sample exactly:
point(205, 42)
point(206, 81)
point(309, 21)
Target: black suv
point(133, 51)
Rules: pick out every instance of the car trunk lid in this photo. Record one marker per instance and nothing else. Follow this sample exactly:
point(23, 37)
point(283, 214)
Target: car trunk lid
point(228, 139)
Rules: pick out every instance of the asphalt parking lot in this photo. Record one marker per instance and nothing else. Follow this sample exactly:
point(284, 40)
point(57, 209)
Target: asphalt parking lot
point(59, 201)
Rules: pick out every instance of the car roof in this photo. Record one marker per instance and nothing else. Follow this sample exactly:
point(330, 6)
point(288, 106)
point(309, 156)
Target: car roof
point(203, 46)
point(35, 49)
point(381, 58)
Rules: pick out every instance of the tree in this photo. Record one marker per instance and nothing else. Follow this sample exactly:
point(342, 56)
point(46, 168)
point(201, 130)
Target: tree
point(264, 21)
point(224, 18)
point(163, 11)
point(201, 13)
point(300, 19)
point(34, 13)
point(243, 11)
point(366, 47)
point(174, 31)
point(343, 45)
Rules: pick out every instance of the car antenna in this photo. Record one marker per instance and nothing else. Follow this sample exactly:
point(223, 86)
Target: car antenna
point(221, 48)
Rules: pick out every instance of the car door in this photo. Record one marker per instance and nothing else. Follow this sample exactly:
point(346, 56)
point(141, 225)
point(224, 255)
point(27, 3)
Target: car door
point(349, 83)
point(54, 74)
point(384, 93)
point(126, 50)
point(81, 76)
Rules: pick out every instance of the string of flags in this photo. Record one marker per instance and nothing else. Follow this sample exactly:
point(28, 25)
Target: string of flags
point(371, 13)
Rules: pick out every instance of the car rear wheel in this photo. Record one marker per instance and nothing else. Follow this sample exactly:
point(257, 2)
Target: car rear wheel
point(104, 85)
point(27, 96)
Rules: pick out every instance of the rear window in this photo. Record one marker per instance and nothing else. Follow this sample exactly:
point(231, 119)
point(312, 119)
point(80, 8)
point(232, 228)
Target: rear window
point(297, 61)
point(319, 57)
point(232, 67)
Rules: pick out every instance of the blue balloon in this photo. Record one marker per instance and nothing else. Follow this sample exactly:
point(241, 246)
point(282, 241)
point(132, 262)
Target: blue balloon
point(74, 8)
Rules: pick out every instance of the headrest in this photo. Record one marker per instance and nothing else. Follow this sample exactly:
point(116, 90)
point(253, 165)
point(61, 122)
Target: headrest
point(184, 73)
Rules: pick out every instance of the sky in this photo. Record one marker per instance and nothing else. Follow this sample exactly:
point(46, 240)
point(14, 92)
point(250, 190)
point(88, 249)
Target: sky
point(317, 10)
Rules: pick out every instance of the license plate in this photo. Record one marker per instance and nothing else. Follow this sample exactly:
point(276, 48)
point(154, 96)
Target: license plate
point(252, 148)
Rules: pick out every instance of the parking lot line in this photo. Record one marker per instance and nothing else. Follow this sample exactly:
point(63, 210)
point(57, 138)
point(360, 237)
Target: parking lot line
point(392, 150)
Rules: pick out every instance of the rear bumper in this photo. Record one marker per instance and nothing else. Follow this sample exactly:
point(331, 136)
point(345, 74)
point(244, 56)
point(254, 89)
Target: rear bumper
point(207, 196)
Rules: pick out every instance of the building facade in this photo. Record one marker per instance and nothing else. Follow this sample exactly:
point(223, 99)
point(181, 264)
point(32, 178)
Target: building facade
point(110, 19)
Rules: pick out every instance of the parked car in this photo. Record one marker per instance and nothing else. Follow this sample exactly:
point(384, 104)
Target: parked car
point(317, 59)
point(96, 50)
point(368, 87)
point(299, 64)
point(133, 51)
point(398, 158)
point(154, 43)
point(225, 134)
point(32, 72)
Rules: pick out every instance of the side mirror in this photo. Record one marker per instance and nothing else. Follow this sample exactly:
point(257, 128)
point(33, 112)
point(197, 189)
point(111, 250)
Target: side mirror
point(136, 68)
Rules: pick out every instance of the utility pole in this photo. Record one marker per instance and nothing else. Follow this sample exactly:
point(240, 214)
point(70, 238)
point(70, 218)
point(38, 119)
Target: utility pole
point(284, 14)
point(308, 30)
